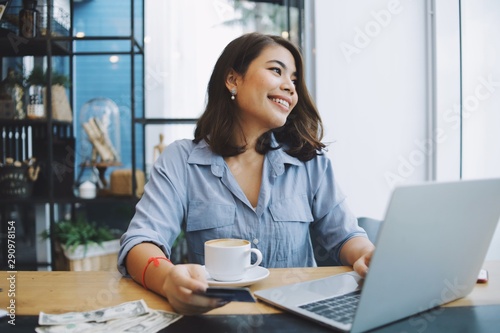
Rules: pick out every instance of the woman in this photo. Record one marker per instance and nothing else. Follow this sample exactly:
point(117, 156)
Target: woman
point(255, 170)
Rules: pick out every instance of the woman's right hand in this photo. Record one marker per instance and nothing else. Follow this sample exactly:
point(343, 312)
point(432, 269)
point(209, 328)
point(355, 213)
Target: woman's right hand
point(183, 285)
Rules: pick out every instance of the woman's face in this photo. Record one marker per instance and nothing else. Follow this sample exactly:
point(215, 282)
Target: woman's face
point(266, 93)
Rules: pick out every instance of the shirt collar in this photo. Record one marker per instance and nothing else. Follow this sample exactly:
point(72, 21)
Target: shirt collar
point(278, 158)
point(203, 155)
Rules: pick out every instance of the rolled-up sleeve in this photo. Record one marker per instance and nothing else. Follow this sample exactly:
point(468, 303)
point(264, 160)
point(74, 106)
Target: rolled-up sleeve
point(334, 223)
point(160, 212)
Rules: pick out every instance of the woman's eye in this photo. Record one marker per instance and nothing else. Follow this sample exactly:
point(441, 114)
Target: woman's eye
point(276, 70)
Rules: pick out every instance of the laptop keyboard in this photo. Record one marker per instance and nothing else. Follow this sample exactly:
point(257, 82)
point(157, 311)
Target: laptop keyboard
point(339, 308)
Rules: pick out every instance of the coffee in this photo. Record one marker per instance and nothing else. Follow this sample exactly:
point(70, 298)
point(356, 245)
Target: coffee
point(228, 242)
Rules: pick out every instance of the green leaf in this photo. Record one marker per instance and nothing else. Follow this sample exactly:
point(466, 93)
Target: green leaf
point(71, 234)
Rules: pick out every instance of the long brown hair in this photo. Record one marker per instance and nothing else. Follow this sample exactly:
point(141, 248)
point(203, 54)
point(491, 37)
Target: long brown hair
point(302, 133)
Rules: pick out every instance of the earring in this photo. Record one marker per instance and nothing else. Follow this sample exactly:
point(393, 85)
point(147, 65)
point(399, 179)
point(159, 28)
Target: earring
point(233, 94)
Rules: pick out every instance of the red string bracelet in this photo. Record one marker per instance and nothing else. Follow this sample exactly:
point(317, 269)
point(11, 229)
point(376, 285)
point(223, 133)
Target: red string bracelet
point(156, 262)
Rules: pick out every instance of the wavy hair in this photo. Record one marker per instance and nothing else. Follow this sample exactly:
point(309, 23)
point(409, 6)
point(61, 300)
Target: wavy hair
point(303, 130)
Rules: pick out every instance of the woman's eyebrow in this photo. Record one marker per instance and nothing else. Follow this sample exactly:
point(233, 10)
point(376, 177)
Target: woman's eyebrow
point(281, 64)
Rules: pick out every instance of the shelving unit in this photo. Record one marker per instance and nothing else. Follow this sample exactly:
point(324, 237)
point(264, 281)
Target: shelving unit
point(46, 139)
point(54, 143)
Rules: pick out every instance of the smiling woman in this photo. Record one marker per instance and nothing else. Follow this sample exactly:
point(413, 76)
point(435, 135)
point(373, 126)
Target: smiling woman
point(256, 170)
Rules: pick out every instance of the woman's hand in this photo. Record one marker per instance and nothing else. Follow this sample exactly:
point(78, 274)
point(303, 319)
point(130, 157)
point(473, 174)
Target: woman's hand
point(357, 252)
point(182, 286)
point(360, 266)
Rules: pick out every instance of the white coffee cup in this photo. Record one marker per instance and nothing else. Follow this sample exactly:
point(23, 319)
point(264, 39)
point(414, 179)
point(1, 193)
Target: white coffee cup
point(227, 259)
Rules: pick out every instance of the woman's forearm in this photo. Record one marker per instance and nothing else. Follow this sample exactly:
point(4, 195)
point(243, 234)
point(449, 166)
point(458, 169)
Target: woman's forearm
point(138, 267)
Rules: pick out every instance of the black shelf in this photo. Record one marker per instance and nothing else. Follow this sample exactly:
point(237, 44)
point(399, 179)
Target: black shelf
point(52, 141)
point(15, 46)
point(31, 122)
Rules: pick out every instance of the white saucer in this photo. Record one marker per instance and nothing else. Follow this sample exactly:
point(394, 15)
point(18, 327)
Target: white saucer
point(252, 276)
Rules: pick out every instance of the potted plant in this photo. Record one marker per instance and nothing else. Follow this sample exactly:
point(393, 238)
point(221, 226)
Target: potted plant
point(83, 246)
point(37, 82)
point(40, 78)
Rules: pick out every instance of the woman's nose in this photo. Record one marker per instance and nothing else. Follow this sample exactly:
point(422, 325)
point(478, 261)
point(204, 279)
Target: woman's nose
point(289, 86)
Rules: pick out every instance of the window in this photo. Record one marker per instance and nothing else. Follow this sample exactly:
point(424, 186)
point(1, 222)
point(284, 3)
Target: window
point(183, 39)
point(480, 89)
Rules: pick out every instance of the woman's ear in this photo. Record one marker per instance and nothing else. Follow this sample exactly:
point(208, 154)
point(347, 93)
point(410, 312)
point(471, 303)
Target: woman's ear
point(232, 80)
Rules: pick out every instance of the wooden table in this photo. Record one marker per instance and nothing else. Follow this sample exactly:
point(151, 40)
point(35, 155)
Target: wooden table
point(59, 292)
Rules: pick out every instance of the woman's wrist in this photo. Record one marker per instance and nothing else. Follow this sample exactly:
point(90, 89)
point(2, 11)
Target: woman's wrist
point(152, 262)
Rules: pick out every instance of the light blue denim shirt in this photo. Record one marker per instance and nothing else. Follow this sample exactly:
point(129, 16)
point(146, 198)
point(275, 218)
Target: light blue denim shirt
point(192, 189)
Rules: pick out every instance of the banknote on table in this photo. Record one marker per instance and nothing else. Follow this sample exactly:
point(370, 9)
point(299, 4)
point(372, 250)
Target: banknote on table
point(154, 321)
point(133, 321)
point(134, 308)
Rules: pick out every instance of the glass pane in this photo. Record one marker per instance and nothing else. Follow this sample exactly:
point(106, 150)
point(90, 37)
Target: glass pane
point(102, 18)
point(104, 77)
point(480, 97)
point(139, 21)
point(102, 46)
point(158, 136)
point(180, 55)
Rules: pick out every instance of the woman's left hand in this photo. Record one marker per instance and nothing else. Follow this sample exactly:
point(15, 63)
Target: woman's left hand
point(357, 252)
point(360, 266)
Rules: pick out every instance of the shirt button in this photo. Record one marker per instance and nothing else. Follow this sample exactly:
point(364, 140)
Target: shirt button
point(255, 241)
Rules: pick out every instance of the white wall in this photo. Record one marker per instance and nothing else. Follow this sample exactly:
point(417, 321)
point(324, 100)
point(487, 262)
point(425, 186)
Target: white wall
point(371, 91)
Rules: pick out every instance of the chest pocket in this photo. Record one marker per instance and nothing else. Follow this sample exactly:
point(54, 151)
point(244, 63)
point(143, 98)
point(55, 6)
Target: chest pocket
point(291, 218)
point(207, 220)
point(294, 209)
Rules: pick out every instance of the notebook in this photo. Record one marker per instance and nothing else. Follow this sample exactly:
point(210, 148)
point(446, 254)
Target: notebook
point(430, 249)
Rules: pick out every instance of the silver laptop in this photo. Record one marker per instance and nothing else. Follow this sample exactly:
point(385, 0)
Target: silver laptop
point(430, 249)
